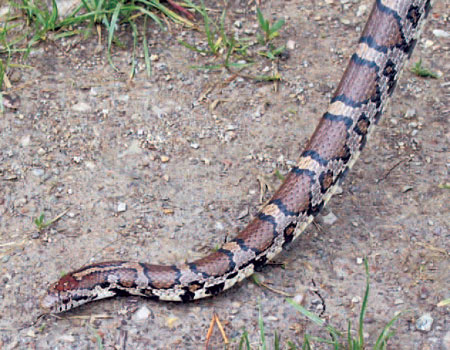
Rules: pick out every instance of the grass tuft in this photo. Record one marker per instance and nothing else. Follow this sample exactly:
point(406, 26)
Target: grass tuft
point(419, 70)
point(339, 340)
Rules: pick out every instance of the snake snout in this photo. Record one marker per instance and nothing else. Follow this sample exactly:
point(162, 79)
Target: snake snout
point(49, 302)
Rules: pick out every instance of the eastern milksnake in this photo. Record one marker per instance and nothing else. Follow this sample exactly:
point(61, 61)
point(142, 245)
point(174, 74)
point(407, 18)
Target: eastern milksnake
point(387, 41)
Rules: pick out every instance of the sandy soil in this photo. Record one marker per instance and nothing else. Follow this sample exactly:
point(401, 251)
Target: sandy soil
point(164, 169)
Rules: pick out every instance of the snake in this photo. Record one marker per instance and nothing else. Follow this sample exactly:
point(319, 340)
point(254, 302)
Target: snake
point(387, 41)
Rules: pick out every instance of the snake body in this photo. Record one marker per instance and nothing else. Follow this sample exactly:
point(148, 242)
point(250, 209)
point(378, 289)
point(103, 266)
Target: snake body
point(387, 41)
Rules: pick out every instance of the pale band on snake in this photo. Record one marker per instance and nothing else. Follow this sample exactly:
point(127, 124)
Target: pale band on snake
point(387, 41)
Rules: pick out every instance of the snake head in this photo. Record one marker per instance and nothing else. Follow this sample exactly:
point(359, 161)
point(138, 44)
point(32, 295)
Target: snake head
point(62, 296)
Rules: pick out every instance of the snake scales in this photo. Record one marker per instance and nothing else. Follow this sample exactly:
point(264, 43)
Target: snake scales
point(387, 41)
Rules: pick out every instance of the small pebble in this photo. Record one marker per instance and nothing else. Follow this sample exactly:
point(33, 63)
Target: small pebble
point(290, 45)
point(164, 159)
point(329, 219)
point(398, 302)
point(68, 338)
point(362, 9)
point(356, 299)
point(359, 261)
point(35, 235)
point(410, 113)
point(298, 298)
point(219, 226)
point(439, 33)
point(5, 258)
point(81, 107)
point(406, 188)
point(171, 321)
point(25, 141)
point(121, 207)
point(195, 145)
point(424, 323)
point(38, 172)
point(142, 314)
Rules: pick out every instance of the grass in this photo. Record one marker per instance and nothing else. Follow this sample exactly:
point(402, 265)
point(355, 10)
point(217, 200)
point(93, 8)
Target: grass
point(232, 52)
point(338, 340)
point(29, 22)
point(42, 224)
point(419, 70)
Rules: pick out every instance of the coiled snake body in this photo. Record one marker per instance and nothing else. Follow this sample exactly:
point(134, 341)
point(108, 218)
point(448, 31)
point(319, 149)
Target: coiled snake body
point(387, 41)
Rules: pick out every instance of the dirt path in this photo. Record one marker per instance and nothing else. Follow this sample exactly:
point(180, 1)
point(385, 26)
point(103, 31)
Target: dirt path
point(148, 170)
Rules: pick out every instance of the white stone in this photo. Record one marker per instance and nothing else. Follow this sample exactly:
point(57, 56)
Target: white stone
point(81, 107)
point(329, 219)
point(25, 141)
point(121, 207)
point(290, 45)
point(142, 314)
point(439, 33)
point(424, 323)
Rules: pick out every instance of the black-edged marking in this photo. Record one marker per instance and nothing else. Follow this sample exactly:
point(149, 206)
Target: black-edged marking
point(288, 233)
point(215, 289)
point(232, 275)
point(339, 118)
point(193, 268)
point(196, 285)
point(120, 292)
point(259, 262)
point(187, 295)
point(270, 219)
point(363, 62)
point(345, 156)
point(178, 275)
point(389, 11)
point(298, 171)
point(104, 285)
point(390, 72)
point(240, 242)
point(376, 97)
point(377, 116)
point(362, 128)
point(79, 298)
point(280, 205)
point(314, 210)
point(413, 15)
point(314, 155)
point(370, 42)
point(230, 256)
point(326, 180)
point(147, 274)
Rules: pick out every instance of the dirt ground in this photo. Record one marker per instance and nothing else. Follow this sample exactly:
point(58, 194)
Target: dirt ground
point(166, 168)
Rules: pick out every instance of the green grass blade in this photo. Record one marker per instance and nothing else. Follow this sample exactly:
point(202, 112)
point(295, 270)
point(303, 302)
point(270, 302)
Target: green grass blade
point(244, 339)
point(262, 335)
point(314, 318)
point(262, 22)
point(277, 26)
point(111, 30)
point(134, 32)
point(364, 305)
point(385, 334)
point(276, 343)
point(148, 63)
